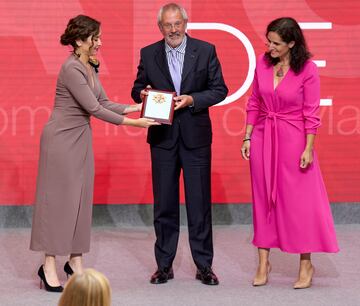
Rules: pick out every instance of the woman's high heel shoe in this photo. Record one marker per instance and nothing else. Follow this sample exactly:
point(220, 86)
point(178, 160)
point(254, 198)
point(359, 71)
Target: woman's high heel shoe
point(262, 282)
point(303, 284)
point(49, 288)
point(68, 270)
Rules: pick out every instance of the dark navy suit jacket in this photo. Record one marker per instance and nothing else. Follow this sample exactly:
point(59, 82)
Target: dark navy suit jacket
point(201, 78)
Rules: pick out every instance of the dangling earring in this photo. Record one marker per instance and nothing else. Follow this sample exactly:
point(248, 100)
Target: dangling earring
point(94, 62)
point(77, 54)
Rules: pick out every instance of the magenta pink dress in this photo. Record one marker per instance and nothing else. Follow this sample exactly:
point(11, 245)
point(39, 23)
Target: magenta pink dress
point(291, 209)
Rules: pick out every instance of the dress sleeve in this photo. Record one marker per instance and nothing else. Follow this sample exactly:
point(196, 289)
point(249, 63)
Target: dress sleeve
point(75, 81)
point(105, 102)
point(253, 105)
point(311, 104)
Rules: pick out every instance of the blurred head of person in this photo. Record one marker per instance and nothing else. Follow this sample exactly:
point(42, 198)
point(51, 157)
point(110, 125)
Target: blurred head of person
point(285, 40)
point(83, 33)
point(172, 22)
point(90, 288)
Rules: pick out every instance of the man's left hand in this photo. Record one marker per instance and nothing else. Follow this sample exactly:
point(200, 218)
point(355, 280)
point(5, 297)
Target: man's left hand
point(183, 101)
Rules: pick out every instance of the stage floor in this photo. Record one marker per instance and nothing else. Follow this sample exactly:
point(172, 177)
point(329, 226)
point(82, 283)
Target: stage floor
point(125, 256)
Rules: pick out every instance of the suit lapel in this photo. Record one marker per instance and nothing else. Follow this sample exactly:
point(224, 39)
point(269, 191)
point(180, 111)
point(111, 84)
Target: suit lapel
point(161, 61)
point(189, 59)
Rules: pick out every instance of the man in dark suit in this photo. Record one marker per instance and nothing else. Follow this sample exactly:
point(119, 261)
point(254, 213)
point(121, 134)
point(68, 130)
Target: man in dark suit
point(191, 68)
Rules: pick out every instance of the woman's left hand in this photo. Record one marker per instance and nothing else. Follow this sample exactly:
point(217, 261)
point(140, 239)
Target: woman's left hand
point(306, 158)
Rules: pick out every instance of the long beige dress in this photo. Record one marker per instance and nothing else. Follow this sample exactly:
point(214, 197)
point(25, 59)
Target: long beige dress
point(64, 192)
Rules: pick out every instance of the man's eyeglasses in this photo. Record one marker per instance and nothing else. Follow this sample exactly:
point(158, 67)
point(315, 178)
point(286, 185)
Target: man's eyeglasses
point(168, 26)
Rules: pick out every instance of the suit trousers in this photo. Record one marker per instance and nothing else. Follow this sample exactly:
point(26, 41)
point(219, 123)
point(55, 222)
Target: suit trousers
point(166, 168)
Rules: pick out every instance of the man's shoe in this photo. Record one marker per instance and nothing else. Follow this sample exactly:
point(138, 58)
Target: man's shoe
point(161, 276)
point(207, 276)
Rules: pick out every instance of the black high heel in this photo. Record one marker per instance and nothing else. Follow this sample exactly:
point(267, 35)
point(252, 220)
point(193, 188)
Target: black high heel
point(68, 270)
point(49, 288)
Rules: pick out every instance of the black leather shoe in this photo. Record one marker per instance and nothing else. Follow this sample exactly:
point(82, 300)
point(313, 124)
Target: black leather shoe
point(207, 276)
point(49, 288)
point(68, 270)
point(161, 276)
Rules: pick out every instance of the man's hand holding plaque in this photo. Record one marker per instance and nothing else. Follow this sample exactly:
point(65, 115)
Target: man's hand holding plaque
point(158, 105)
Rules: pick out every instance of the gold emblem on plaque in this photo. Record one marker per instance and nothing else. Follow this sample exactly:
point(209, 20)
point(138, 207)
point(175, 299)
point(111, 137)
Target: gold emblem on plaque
point(159, 98)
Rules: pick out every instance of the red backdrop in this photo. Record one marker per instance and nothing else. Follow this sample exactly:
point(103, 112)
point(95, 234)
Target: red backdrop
point(31, 57)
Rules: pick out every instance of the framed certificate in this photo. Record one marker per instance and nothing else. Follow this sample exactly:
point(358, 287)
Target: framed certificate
point(159, 105)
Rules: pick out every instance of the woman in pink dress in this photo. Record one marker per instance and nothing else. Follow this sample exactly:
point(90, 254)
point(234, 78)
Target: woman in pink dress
point(290, 205)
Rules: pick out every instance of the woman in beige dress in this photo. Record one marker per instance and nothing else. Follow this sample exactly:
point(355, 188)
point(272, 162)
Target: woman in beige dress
point(64, 193)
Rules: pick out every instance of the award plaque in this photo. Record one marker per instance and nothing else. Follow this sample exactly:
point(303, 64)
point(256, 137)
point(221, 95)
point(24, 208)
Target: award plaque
point(159, 105)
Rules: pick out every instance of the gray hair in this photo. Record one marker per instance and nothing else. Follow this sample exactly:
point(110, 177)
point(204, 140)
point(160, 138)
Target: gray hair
point(172, 7)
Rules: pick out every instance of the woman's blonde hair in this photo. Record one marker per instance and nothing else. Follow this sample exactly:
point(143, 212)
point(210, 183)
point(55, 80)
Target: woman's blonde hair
point(90, 288)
